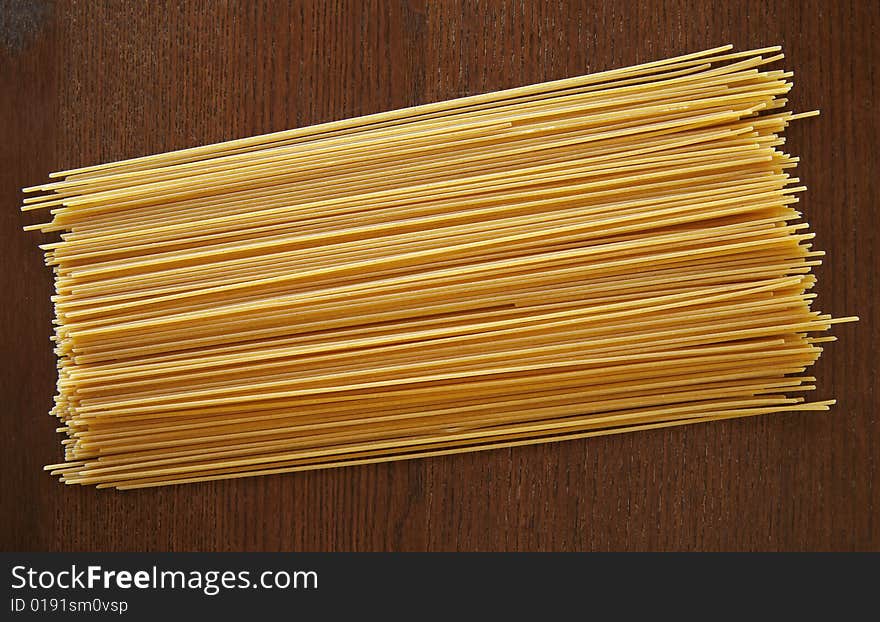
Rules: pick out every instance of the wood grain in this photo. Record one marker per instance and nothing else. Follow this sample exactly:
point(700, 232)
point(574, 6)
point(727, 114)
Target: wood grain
point(85, 82)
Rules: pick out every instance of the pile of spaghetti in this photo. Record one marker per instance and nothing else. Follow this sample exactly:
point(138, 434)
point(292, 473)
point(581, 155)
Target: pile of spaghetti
point(595, 255)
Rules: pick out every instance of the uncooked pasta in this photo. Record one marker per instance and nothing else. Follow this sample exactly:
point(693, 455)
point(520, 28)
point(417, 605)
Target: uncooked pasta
point(608, 253)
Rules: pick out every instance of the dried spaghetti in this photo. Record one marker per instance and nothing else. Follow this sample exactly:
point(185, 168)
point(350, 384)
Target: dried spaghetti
point(601, 254)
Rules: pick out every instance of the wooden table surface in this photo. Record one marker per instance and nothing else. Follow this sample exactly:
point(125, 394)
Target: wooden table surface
point(86, 82)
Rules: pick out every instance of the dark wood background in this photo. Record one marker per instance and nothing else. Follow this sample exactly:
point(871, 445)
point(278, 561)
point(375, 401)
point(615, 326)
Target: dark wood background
point(85, 82)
